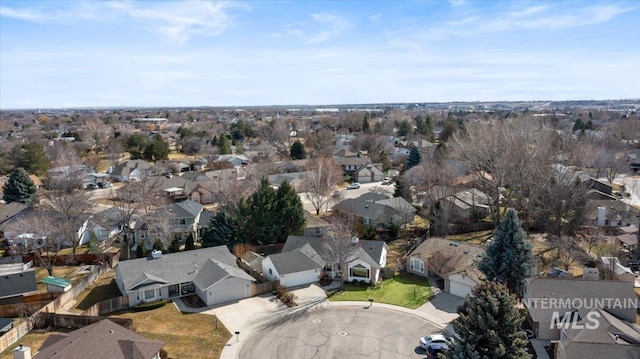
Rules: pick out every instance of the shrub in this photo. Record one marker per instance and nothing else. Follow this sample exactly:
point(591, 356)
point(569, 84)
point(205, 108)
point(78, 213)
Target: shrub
point(150, 306)
point(285, 296)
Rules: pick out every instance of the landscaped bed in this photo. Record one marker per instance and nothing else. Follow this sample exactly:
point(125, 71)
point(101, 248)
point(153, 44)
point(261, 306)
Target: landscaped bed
point(406, 291)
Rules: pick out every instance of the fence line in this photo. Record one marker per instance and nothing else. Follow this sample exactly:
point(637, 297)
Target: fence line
point(22, 329)
point(108, 306)
point(266, 287)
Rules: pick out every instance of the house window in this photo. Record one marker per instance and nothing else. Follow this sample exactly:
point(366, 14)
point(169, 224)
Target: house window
point(102, 233)
point(149, 294)
point(359, 271)
point(270, 271)
point(417, 265)
point(328, 269)
point(366, 221)
point(183, 221)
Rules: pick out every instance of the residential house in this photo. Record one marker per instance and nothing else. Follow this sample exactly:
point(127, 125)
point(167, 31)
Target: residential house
point(364, 259)
point(36, 181)
point(235, 160)
point(252, 260)
point(610, 213)
point(200, 192)
point(182, 219)
point(210, 273)
point(9, 210)
point(350, 165)
point(375, 209)
point(104, 225)
point(295, 179)
point(549, 301)
point(601, 336)
point(369, 173)
point(454, 262)
point(465, 205)
point(299, 266)
point(200, 164)
point(14, 284)
point(614, 270)
point(132, 170)
point(315, 226)
point(101, 340)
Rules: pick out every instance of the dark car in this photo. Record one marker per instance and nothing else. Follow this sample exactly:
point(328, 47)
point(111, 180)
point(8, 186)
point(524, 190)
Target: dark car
point(104, 184)
point(92, 186)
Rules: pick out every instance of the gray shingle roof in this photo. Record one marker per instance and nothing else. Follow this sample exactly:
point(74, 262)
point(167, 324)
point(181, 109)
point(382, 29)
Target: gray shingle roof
point(298, 260)
point(103, 340)
point(172, 268)
point(184, 209)
point(17, 283)
point(215, 271)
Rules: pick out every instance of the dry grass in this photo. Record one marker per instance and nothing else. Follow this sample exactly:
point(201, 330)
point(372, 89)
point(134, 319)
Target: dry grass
point(101, 289)
point(182, 334)
point(548, 257)
point(67, 272)
point(471, 237)
point(31, 340)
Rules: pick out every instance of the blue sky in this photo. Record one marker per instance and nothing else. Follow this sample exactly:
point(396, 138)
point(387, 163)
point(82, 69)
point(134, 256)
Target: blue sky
point(206, 53)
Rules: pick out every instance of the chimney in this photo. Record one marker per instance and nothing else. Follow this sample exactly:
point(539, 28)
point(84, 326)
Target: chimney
point(602, 213)
point(22, 352)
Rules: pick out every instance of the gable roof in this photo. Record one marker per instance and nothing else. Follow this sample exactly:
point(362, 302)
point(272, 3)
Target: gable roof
point(17, 284)
point(171, 268)
point(184, 209)
point(450, 256)
point(373, 249)
point(298, 260)
point(369, 251)
point(312, 221)
point(7, 211)
point(214, 271)
point(104, 340)
point(125, 168)
point(373, 205)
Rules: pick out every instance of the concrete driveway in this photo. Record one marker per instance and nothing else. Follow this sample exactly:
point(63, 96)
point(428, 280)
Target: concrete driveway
point(345, 332)
point(352, 193)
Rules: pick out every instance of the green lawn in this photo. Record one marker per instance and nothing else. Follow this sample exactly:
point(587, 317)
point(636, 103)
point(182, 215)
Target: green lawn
point(410, 292)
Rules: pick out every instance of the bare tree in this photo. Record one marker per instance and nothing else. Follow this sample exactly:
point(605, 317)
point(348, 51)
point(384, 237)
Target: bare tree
point(96, 134)
point(322, 176)
point(322, 142)
point(38, 235)
point(340, 243)
point(568, 252)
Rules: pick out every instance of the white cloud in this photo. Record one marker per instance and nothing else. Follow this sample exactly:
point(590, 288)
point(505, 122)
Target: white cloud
point(325, 26)
point(457, 2)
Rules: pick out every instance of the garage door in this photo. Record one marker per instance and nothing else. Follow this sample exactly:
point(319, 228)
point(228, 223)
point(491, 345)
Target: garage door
point(229, 290)
point(459, 289)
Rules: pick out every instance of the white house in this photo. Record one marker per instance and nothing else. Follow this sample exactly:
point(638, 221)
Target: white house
point(297, 267)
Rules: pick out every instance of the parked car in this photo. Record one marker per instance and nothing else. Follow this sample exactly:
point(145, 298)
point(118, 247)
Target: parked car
point(386, 181)
point(92, 186)
point(436, 341)
point(354, 185)
point(104, 184)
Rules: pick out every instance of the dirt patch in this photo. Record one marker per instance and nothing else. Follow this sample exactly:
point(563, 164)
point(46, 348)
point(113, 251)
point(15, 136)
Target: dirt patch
point(193, 301)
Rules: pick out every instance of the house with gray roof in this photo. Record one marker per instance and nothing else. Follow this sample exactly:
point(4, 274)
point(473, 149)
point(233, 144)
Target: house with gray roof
point(211, 273)
point(455, 262)
point(364, 262)
point(132, 170)
point(180, 219)
point(603, 336)
point(103, 339)
point(374, 209)
point(552, 302)
point(15, 285)
point(300, 266)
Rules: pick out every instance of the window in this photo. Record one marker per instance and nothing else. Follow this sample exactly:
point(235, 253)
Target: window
point(149, 294)
point(359, 271)
point(417, 264)
point(366, 220)
point(328, 269)
point(270, 271)
point(183, 221)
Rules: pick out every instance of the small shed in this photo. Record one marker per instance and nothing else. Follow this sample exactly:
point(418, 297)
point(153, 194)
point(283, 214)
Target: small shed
point(56, 284)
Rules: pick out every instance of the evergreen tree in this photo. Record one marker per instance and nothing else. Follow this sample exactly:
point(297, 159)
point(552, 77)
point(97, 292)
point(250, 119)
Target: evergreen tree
point(220, 232)
point(189, 244)
point(256, 218)
point(402, 189)
point(289, 213)
point(156, 149)
point(157, 245)
point(508, 258)
point(365, 124)
point(32, 157)
point(174, 246)
point(141, 251)
point(489, 326)
point(19, 188)
point(214, 141)
point(224, 145)
point(297, 150)
point(405, 128)
point(415, 157)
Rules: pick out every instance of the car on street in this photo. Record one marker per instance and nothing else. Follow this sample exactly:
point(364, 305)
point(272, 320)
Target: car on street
point(104, 184)
point(354, 185)
point(436, 341)
point(91, 186)
point(386, 181)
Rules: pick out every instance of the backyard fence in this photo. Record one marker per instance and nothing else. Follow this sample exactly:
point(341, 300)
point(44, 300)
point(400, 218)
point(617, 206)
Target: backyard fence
point(77, 321)
point(108, 306)
point(266, 287)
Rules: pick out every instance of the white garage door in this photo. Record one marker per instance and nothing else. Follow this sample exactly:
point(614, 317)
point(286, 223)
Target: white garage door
point(459, 289)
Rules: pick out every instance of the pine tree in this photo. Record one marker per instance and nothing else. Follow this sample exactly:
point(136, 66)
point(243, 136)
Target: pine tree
point(174, 247)
point(220, 232)
point(255, 217)
point(141, 251)
point(508, 258)
point(189, 244)
point(19, 188)
point(224, 145)
point(297, 150)
point(489, 326)
point(402, 189)
point(289, 213)
point(415, 157)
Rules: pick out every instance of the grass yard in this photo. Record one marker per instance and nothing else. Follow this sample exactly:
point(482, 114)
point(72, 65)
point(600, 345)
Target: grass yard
point(406, 291)
point(67, 272)
point(101, 289)
point(31, 340)
point(182, 334)
point(472, 237)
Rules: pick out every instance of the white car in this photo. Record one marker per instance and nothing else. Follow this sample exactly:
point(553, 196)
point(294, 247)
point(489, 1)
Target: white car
point(386, 181)
point(436, 341)
point(354, 185)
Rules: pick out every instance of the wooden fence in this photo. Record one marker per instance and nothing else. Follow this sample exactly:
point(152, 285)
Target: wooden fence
point(77, 321)
point(20, 309)
point(22, 329)
point(108, 306)
point(266, 287)
point(252, 272)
